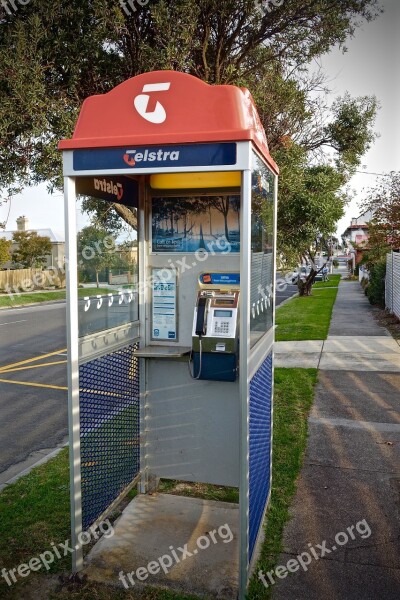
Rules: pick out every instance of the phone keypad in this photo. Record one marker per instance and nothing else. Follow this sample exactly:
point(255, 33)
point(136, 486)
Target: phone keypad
point(221, 327)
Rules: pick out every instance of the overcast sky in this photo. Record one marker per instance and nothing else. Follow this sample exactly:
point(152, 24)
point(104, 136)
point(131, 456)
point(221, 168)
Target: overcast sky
point(371, 66)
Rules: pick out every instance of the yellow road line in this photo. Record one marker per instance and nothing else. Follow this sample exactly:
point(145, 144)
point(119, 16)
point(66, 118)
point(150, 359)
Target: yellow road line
point(41, 385)
point(30, 360)
point(58, 362)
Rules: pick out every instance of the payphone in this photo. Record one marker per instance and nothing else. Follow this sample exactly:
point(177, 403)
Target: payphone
point(215, 342)
point(201, 184)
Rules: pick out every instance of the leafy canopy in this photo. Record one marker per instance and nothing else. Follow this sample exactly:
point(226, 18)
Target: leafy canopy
point(55, 54)
point(32, 249)
point(5, 251)
point(96, 250)
point(384, 228)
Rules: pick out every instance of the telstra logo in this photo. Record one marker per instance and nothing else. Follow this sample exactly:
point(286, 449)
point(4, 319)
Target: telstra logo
point(133, 157)
point(109, 187)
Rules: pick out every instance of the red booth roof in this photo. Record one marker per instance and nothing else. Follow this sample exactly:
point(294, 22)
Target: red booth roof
point(168, 107)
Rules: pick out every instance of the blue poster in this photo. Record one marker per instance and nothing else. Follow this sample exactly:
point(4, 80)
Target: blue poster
point(189, 224)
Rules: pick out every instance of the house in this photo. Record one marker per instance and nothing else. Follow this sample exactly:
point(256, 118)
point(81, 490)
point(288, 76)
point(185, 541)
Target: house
point(357, 234)
point(57, 256)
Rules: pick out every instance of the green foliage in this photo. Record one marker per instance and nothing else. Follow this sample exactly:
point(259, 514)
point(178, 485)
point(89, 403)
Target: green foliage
point(310, 201)
point(384, 229)
point(96, 251)
point(32, 249)
point(348, 133)
point(46, 72)
point(375, 289)
point(5, 251)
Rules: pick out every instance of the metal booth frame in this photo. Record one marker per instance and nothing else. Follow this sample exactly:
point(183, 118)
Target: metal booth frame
point(251, 141)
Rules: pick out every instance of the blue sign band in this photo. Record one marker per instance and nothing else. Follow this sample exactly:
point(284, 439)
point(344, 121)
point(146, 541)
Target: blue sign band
point(220, 279)
point(150, 157)
point(122, 190)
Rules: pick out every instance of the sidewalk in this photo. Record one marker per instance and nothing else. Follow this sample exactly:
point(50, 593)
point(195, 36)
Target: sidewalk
point(351, 472)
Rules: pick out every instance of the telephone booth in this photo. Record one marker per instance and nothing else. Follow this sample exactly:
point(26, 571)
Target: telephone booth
point(170, 197)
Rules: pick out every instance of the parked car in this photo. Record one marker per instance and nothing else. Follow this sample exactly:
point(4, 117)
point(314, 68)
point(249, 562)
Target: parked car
point(301, 273)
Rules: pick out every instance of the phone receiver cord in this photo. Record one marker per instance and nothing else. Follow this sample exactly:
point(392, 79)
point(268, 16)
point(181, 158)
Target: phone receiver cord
point(192, 375)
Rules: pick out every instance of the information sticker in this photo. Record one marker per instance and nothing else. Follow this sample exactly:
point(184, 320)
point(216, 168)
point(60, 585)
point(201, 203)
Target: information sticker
point(164, 305)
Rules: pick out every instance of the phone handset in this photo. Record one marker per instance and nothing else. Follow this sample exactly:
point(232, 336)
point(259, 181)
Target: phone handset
point(201, 322)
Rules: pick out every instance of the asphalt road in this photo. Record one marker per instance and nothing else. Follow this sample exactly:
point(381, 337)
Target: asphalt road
point(284, 291)
point(32, 417)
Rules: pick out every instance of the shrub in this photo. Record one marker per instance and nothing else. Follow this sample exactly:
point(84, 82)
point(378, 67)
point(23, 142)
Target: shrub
point(376, 286)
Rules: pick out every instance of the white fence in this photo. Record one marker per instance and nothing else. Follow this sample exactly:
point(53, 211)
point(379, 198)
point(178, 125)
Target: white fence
point(392, 283)
point(363, 273)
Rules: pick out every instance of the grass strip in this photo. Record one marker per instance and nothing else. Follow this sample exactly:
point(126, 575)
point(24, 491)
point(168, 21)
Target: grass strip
point(35, 510)
point(294, 393)
point(306, 317)
point(334, 281)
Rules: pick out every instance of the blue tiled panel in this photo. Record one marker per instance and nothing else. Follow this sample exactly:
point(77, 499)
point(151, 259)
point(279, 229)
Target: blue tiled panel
point(260, 447)
point(109, 419)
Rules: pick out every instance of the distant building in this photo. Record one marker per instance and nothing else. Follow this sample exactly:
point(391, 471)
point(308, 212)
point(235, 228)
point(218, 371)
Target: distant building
point(57, 256)
point(357, 232)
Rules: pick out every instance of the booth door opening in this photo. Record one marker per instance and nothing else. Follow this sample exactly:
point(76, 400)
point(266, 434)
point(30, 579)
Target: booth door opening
point(108, 315)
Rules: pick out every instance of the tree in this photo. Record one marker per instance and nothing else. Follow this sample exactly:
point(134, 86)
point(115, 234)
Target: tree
point(384, 228)
point(383, 233)
point(5, 251)
point(32, 249)
point(96, 250)
point(232, 42)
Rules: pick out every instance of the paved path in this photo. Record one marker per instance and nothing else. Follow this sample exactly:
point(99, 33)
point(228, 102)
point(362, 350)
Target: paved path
point(355, 341)
point(346, 509)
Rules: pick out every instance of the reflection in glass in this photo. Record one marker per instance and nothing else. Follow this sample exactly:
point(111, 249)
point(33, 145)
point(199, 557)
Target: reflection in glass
point(262, 250)
point(107, 269)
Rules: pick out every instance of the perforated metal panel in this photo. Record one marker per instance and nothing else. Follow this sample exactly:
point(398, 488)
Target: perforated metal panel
point(109, 420)
point(260, 430)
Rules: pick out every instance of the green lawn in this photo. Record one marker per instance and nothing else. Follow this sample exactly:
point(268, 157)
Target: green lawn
point(35, 510)
point(308, 317)
point(333, 282)
point(7, 301)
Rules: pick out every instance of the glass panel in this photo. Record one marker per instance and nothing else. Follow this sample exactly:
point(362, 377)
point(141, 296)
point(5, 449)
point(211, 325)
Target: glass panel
point(107, 265)
point(262, 250)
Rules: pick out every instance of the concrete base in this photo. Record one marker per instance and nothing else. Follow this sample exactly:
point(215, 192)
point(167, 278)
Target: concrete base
point(156, 529)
